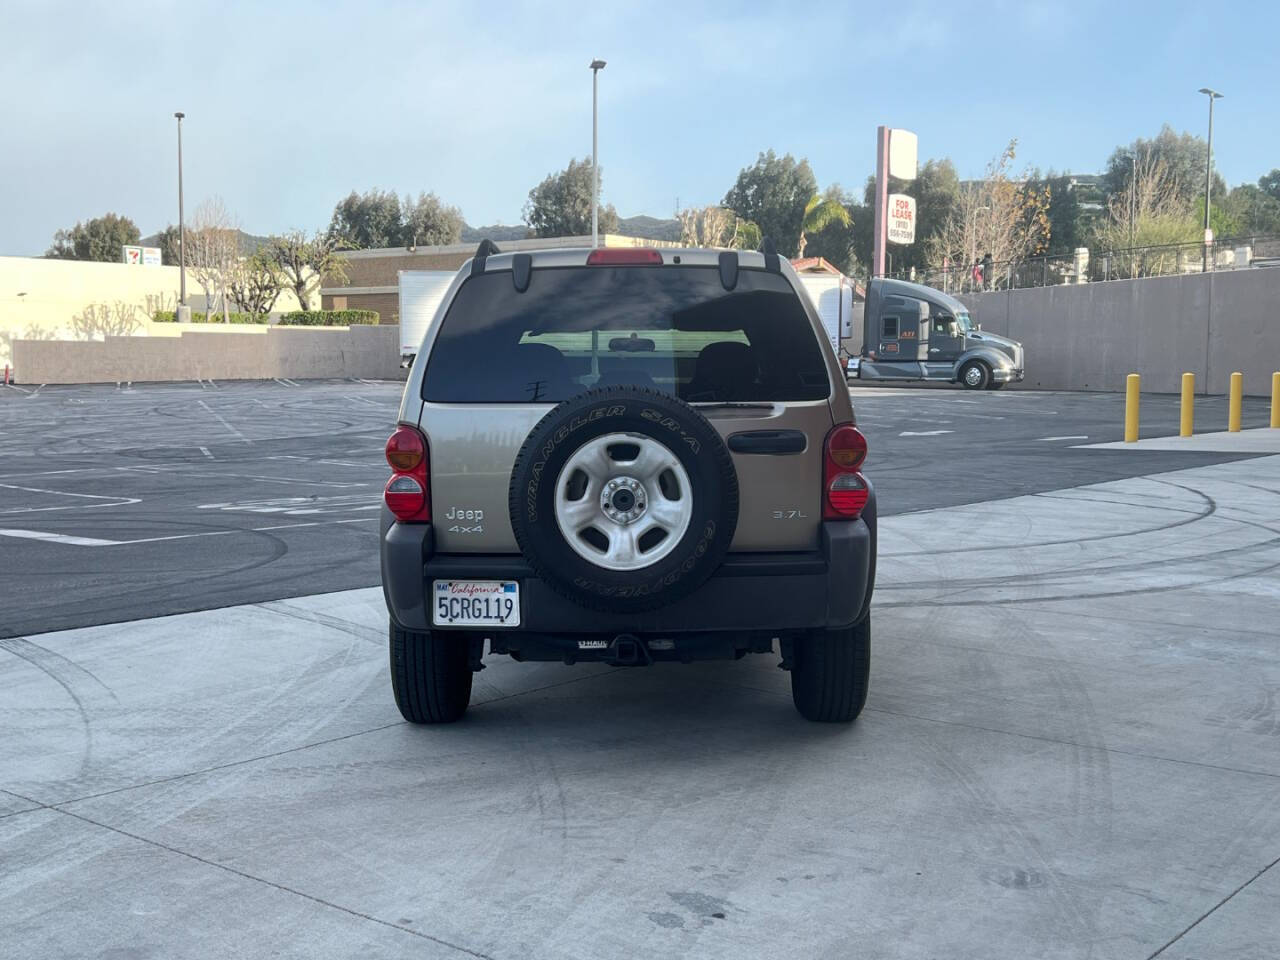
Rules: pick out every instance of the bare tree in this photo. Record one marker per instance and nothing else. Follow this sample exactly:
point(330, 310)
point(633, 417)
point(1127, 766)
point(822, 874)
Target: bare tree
point(717, 227)
point(213, 250)
point(999, 216)
point(307, 261)
point(256, 284)
point(1151, 212)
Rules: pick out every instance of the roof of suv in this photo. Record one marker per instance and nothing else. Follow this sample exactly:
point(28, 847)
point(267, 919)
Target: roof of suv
point(577, 257)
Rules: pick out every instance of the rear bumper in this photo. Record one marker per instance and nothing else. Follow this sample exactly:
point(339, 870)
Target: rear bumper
point(750, 592)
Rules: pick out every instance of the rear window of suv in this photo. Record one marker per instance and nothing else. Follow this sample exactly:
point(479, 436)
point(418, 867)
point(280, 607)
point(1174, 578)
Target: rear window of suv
point(674, 329)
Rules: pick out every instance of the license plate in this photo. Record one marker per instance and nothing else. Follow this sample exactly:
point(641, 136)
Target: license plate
point(475, 603)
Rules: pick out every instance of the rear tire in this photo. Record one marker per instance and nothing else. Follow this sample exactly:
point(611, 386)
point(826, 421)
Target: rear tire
point(430, 674)
point(830, 673)
point(975, 375)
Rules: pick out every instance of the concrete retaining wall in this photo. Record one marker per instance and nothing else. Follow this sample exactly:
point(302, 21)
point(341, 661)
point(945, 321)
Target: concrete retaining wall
point(1088, 337)
point(80, 300)
point(255, 354)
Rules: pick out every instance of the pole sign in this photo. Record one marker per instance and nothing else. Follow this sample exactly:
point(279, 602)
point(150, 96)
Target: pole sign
point(903, 145)
point(902, 218)
point(142, 256)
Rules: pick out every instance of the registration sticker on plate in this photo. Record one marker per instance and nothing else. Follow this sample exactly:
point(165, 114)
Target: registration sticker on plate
point(475, 603)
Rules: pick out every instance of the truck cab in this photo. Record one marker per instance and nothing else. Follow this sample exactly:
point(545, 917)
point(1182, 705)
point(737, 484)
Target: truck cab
point(914, 332)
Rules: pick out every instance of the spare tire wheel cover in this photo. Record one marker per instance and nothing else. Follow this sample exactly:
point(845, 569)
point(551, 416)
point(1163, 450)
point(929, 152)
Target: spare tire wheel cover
point(623, 499)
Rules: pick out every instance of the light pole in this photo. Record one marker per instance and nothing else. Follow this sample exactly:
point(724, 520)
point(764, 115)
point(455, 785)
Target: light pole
point(596, 66)
point(1208, 173)
point(182, 229)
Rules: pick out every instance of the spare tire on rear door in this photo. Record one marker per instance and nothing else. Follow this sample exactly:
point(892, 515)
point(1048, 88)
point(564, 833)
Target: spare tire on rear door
point(624, 499)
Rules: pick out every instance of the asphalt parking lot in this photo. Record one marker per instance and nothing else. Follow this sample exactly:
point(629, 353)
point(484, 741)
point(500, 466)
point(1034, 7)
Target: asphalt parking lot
point(151, 499)
point(1071, 746)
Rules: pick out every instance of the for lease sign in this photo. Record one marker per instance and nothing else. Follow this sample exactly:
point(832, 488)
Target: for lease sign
point(902, 218)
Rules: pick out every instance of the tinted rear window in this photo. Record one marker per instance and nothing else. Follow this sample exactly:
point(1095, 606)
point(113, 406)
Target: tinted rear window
point(675, 329)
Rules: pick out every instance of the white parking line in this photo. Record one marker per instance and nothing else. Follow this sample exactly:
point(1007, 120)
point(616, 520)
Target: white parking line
point(240, 436)
point(1047, 439)
point(57, 538)
point(119, 501)
point(94, 542)
point(36, 392)
point(923, 433)
point(14, 386)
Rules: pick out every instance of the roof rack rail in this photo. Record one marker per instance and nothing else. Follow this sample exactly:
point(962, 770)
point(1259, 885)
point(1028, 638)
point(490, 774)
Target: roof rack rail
point(770, 252)
point(483, 252)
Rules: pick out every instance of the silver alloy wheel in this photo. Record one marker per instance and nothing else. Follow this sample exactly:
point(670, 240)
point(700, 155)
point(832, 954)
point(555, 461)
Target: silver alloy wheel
point(973, 376)
point(623, 501)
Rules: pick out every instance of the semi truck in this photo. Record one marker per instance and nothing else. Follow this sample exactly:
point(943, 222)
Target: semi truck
point(914, 332)
point(421, 293)
point(832, 296)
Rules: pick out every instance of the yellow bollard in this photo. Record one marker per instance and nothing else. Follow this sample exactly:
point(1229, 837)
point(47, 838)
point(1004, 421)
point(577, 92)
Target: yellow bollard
point(1188, 404)
point(1132, 385)
point(1275, 400)
point(1235, 401)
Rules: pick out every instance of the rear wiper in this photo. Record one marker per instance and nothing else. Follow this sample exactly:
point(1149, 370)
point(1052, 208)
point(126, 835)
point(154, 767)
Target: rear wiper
point(730, 404)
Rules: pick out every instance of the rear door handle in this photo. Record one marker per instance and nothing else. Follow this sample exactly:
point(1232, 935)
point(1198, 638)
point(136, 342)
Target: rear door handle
point(774, 442)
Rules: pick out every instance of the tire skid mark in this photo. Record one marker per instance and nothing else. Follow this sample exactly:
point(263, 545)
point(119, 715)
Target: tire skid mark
point(1049, 577)
point(1195, 516)
point(66, 678)
point(1006, 828)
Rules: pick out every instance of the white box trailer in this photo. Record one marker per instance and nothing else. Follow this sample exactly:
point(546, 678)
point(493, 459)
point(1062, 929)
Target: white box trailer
point(421, 293)
point(832, 297)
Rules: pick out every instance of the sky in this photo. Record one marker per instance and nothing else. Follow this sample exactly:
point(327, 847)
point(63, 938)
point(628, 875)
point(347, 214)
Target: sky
point(290, 105)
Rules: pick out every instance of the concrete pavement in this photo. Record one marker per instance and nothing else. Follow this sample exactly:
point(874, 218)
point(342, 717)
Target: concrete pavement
point(1071, 749)
point(1259, 440)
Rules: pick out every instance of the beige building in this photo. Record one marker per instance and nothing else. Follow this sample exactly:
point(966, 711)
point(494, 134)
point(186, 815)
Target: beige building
point(372, 281)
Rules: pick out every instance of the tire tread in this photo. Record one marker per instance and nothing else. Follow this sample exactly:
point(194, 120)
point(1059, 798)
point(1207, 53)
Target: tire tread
point(430, 675)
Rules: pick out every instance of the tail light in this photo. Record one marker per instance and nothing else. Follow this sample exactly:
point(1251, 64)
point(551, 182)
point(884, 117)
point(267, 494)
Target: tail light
point(406, 494)
point(624, 257)
point(844, 491)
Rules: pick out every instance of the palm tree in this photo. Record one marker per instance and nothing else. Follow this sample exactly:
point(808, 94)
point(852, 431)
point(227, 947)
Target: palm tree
point(820, 213)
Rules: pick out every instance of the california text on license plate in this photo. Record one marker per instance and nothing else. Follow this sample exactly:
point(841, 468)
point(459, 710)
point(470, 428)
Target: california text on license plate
point(475, 603)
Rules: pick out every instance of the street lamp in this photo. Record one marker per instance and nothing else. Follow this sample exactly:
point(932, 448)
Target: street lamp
point(596, 66)
point(182, 230)
point(1208, 173)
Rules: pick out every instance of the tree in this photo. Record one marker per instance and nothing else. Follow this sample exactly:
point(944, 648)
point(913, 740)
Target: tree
point(717, 227)
point(306, 261)
point(1252, 209)
point(1066, 231)
point(1151, 212)
point(1269, 183)
point(837, 241)
point(213, 250)
point(256, 282)
point(1182, 156)
point(996, 216)
point(819, 213)
point(429, 221)
point(364, 221)
point(560, 206)
point(168, 242)
point(99, 239)
point(773, 193)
